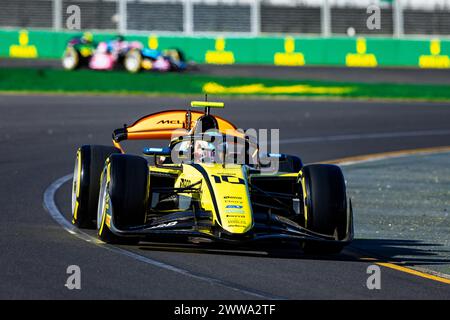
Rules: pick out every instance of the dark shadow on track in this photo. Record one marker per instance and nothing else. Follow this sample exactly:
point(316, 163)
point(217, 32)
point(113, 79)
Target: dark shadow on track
point(270, 250)
point(406, 252)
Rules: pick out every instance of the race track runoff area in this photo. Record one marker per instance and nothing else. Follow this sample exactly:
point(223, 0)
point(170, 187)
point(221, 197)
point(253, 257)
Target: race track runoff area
point(402, 209)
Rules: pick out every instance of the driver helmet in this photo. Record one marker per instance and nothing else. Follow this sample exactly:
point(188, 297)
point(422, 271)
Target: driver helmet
point(204, 151)
point(87, 37)
point(205, 123)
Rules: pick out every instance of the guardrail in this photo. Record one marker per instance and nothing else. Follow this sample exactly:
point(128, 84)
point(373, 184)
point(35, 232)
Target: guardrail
point(287, 51)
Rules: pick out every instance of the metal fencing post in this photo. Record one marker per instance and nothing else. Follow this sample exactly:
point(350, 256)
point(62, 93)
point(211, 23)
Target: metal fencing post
point(326, 19)
point(188, 17)
point(57, 15)
point(397, 7)
point(255, 12)
point(122, 11)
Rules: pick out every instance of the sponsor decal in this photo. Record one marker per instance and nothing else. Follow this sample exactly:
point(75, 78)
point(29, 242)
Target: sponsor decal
point(236, 223)
point(232, 197)
point(164, 225)
point(241, 216)
point(185, 183)
point(235, 202)
point(234, 211)
point(229, 173)
point(170, 122)
point(149, 150)
point(275, 155)
point(233, 206)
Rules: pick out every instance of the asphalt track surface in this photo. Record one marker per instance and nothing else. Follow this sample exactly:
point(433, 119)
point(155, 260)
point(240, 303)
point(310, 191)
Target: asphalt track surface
point(39, 136)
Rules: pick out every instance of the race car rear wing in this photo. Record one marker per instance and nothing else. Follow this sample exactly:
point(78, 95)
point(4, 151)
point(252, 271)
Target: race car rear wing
point(166, 125)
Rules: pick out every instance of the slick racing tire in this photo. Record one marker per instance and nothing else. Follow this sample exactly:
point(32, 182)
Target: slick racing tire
point(175, 54)
point(89, 164)
point(325, 205)
point(133, 61)
point(176, 59)
point(71, 59)
point(124, 196)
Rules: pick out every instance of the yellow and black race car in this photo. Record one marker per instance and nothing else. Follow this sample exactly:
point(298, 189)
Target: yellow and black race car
point(212, 183)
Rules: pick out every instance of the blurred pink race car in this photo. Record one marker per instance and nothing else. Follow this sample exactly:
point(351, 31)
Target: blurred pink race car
point(107, 54)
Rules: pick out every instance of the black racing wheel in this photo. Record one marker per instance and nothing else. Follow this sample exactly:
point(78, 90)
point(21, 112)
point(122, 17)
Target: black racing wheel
point(325, 205)
point(71, 58)
point(124, 196)
point(89, 164)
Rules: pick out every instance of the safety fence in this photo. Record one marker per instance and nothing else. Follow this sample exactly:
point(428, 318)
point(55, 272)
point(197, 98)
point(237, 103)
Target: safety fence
point(397, 18)
point(287, 51)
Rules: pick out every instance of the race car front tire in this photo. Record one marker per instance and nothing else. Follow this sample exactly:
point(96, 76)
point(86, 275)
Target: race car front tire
point(71, 59)
point(325, 202)
point(133, 61)
point(89, 164)
point(124, 196)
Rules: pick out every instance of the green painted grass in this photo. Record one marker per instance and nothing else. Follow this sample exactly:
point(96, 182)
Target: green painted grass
point(118, 82)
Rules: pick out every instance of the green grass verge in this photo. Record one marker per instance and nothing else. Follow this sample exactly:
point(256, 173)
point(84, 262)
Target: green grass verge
point(117, 82)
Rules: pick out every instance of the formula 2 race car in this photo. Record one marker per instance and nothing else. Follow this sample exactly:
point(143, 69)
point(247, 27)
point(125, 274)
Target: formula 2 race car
point(212, 183)
point(78, 52)
point(117, 53)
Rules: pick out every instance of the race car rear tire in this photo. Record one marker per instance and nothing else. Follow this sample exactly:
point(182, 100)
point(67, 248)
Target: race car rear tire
point(133, 61)
point(89, 164)
point(325, 206)
point(124, 196)
point(71, 59)
point(176, 58)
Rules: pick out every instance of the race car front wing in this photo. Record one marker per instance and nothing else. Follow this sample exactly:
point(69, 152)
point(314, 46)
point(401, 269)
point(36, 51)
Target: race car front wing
point(198, 224)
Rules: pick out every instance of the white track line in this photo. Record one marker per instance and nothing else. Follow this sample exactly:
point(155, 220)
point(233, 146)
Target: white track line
point(56, 214)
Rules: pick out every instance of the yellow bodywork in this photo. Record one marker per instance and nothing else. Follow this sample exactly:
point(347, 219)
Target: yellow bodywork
point(223, 191)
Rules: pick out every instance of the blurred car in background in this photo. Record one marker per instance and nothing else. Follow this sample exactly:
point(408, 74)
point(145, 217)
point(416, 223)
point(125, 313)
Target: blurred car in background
point(118, 53)
point(78, 52)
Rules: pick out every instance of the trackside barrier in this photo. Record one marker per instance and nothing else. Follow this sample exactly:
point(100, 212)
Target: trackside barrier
point(288, 51)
